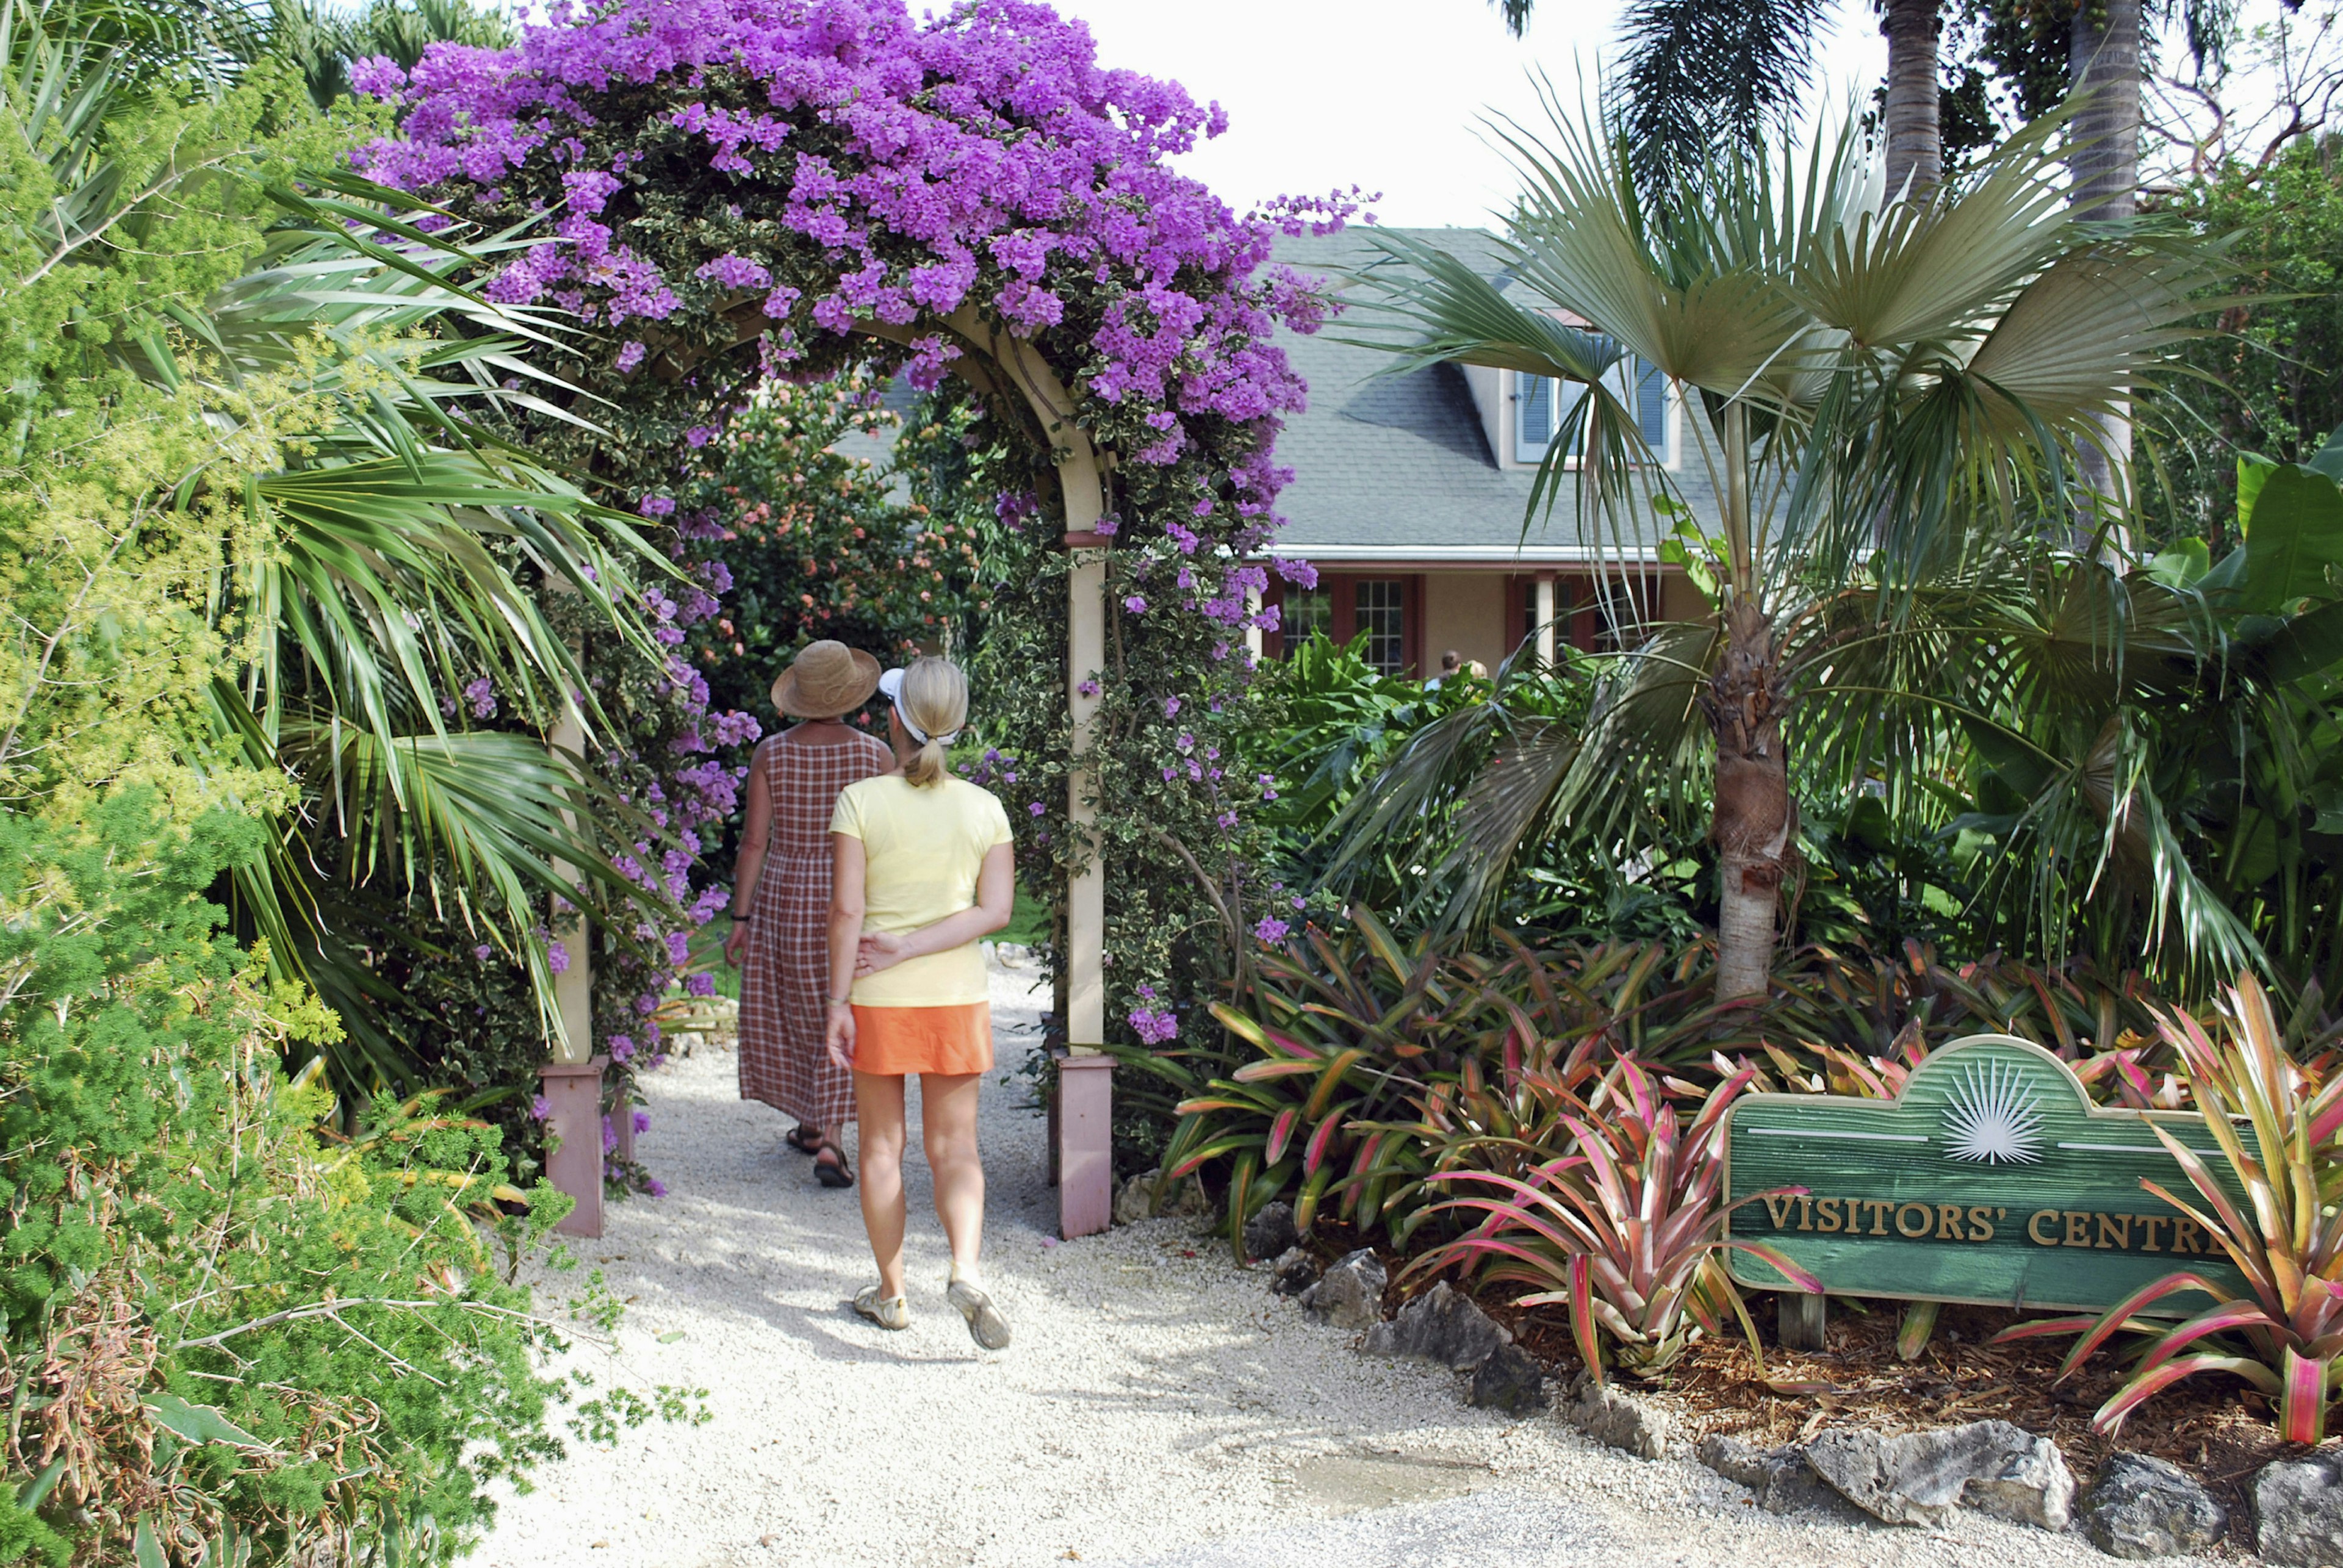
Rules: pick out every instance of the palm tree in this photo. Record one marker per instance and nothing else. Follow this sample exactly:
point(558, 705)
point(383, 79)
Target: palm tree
point(1911, 113)
point(1696, 68)
point(1886, 397)
point(2105, 160)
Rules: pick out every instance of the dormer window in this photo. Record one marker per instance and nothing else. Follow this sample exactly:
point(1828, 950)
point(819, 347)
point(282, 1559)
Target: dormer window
point(1541, 403)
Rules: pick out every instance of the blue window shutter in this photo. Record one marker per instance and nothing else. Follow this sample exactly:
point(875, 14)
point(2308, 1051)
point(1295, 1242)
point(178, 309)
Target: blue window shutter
point(1536, 417)
point(1652, 408)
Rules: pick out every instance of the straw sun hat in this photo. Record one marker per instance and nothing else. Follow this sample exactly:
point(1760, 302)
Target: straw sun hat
point(825, 680)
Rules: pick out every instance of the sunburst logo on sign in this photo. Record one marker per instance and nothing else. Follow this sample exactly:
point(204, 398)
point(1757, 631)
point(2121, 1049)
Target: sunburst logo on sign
point(1991, 1115)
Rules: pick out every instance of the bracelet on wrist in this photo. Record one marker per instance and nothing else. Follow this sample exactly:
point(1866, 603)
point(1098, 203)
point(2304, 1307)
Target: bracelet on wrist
point(744, 918)
point(841, 1001)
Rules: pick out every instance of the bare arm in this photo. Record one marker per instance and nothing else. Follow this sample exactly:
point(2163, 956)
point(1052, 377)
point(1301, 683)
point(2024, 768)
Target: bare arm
point(996, 893)
point(846, 893)
point(756, 830)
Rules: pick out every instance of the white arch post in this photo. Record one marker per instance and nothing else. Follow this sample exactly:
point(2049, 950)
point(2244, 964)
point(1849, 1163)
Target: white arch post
point(572, 1080)
point(1085, 1152)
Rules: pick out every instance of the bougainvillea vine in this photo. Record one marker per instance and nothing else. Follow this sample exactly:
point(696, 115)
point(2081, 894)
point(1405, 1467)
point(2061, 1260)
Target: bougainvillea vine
point(728, 190)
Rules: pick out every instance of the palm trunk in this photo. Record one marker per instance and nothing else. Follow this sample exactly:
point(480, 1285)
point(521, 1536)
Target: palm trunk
point(1755, 819)
point(1916, 148)
point(2104, 63)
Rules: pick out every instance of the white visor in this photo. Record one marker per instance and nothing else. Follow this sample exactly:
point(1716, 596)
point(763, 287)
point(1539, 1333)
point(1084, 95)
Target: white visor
point(891, 685)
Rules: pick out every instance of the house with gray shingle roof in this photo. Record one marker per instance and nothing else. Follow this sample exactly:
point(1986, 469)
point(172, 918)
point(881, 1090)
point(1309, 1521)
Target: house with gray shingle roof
point(1411, 493)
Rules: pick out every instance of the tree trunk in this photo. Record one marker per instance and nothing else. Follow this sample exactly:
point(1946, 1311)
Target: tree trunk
point(2104, 63)
point(1754, 820)
point(1915, 146)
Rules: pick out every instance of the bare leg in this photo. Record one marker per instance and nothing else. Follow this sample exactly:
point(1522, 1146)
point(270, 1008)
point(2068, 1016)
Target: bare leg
point(948, 1124)
point(879, 1102)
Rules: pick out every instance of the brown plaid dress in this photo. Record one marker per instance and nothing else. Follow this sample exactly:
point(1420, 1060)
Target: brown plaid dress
point(785, 986)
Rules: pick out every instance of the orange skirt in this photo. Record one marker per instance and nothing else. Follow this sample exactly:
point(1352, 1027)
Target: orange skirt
point(891, 1042)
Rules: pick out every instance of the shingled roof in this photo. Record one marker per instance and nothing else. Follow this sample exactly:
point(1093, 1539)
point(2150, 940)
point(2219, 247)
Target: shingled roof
point(1388, 465)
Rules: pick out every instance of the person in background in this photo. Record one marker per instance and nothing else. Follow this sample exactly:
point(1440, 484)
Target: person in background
point(781, 899)
point(1450, 663)
point(923, 869)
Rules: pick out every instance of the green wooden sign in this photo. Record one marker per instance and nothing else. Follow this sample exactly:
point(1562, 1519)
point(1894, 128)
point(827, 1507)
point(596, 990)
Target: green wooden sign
point(1992, 1179)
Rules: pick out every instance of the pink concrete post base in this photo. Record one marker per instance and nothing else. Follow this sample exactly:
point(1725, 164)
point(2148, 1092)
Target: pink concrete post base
point(622, 1122)
point(573, 1096)
point(1085, 1145)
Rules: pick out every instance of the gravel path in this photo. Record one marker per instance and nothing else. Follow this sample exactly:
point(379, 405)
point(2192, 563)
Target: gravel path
point(1158, 1408)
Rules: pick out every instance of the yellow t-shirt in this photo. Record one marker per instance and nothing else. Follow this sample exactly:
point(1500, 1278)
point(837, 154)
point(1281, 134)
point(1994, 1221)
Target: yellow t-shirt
point(921, 851)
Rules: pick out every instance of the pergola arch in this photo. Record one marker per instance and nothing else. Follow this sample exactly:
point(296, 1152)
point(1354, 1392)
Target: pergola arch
point(976, 197)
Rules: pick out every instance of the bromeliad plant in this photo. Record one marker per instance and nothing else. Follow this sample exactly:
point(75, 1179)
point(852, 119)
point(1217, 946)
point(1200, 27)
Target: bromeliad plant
point(2289, 1247)
point(1341, 1035)
point(1624, 1230)
point(1360, 1066)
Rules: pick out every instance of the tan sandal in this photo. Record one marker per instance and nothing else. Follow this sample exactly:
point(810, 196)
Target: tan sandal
point(986, 1326)
point(887, 1312)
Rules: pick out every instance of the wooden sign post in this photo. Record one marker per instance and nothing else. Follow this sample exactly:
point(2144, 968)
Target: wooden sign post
point(1992, 1179)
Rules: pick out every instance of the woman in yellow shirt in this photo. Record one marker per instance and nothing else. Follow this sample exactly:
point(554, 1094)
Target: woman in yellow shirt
point(920, 869)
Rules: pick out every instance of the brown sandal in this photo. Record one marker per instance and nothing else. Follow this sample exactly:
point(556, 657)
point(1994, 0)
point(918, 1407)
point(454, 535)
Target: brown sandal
point(833, 1172)
point(796, 1138)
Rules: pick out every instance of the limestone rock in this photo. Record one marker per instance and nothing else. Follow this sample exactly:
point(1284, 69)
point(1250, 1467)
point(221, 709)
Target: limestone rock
point(1609, 1415)
point(1510, 1380)
point(2034, 1487)
point(2298, 1511)
point(1439, 1325)
point(1780, 1477)
point(1921, 1477)
point(1349, 1296)
point(2141, 1506)
point(1293, 1272)
point(1271, 1232)
point(1138, 1200)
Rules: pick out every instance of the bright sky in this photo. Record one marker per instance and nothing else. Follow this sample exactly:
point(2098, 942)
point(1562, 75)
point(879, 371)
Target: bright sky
point(1385, 94)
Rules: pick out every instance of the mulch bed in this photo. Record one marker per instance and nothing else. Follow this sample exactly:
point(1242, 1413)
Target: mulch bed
point(2213, 1426)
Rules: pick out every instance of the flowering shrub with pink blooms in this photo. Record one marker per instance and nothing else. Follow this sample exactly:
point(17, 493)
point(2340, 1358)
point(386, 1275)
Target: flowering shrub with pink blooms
point(728, 190)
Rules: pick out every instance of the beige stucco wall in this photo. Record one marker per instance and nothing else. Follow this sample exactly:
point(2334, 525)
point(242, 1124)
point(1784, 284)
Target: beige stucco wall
point(1680, 601)
point(1466, 611)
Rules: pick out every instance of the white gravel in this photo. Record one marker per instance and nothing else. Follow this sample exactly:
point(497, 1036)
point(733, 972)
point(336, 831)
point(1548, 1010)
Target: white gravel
point(1158, 1407)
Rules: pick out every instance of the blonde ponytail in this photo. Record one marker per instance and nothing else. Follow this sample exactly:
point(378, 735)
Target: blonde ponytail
point(926, 766)
point(935, 698)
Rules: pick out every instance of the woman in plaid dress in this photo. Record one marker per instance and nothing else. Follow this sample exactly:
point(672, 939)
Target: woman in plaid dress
point(780, 898)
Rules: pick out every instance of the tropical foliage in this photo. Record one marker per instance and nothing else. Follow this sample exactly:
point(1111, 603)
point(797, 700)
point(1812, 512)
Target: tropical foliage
point(1360, 1063)
point(290, 419)
point(2064, 693)
point(2270, 380)
point(270, 577)
point(2284, 1335)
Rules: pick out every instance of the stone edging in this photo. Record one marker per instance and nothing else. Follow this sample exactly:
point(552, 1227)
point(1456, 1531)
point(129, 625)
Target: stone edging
point(2136, 1506)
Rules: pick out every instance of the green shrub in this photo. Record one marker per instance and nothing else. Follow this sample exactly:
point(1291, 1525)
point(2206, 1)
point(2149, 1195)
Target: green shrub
point(227, 1324)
